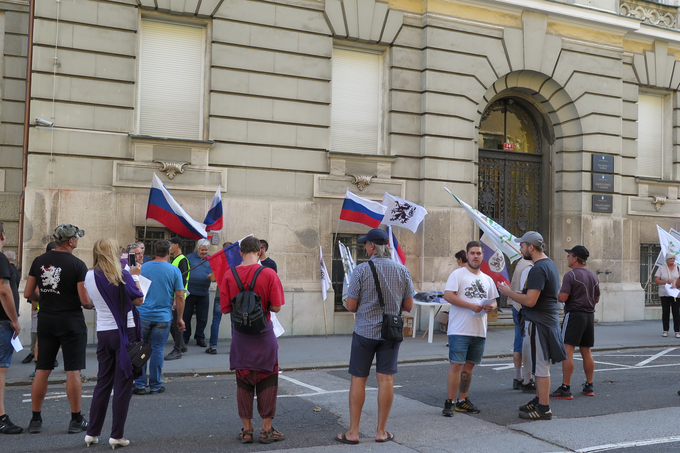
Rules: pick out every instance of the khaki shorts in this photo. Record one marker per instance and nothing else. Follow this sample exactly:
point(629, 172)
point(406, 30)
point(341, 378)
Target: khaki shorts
point(532, 347)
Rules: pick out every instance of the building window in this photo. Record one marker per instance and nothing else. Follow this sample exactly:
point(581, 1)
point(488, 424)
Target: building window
point(155, 233)
point(356, 112)
point(338, 272)
point(648, 255)
point(171, 80)
point(650, 136)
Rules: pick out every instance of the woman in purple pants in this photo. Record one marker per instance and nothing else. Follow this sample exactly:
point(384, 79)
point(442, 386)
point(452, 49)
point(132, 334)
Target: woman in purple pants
point(116, 328)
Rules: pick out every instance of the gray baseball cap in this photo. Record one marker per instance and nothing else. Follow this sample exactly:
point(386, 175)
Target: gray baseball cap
point(65, 232)
point(531, 237)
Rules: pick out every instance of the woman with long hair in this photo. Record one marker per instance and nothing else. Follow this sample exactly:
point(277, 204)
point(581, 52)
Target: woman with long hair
point(117, 326)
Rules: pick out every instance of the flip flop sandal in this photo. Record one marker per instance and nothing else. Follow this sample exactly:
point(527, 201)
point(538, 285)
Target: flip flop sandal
point(343, 439)
point(242, 436)
point(270, 436)
point(389, 437)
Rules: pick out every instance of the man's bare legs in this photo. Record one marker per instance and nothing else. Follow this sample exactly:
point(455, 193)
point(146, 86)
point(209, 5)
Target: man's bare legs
point(74, 389)
point(39, 389)
point(543, 390)
point(385, 397)
point(357, 396)
point(458, 380)
point(588, 364)
point(568, 365)
point(465, 380)
point(3, 371)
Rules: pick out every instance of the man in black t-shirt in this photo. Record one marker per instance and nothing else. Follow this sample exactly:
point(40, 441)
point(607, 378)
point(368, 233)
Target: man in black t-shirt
point(264, 259)
point(9, 328)
point(57, 281)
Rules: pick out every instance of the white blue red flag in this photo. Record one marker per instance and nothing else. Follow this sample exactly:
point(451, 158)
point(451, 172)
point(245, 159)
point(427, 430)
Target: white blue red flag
point(493, 264)
point(225, 259)
point(166, 210)
point(398, 254)
point(361, 210)
point(213, 220)
point(402, 213)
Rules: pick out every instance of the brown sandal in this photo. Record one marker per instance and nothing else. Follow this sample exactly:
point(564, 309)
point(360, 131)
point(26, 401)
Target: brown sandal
point(242, 436)
point(271, 436)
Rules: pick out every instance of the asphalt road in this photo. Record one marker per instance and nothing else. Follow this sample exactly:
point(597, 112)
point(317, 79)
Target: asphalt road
point(636, 401)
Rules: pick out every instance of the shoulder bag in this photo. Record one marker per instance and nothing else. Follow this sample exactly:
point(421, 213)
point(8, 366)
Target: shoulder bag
point(139, 351)
point(392, 325)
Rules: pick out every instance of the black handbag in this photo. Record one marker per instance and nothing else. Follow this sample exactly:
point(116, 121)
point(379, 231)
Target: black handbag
point(139, 351)
point(392, 325)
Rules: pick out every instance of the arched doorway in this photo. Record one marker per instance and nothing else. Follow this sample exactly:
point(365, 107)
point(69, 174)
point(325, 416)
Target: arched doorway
point(511, 167)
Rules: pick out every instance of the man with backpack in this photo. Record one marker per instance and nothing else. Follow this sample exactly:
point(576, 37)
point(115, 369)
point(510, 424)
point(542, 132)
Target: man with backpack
point(250, 292)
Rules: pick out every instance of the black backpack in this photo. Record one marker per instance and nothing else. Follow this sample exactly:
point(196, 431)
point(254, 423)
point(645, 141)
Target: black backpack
point(247, 315)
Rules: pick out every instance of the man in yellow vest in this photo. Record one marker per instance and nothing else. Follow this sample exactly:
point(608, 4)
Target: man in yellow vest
point(182, 263)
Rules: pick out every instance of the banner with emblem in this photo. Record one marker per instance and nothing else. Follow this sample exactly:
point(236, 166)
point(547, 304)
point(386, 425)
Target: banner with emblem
point(348, 266)
point(493, 263)
point(402, 213)
point(669, 244)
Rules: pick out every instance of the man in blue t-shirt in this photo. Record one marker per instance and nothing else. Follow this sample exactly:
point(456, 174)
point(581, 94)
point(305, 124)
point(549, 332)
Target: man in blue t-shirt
point(198, 300)
point(165, 291)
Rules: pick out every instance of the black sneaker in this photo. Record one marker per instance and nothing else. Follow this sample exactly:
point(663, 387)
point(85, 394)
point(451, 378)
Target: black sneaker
point(588, 389)
point(174, 355)
point(7, 427)
point(211, 350)
point(536, 414)
point(76, 427)
point(529, 388)
point(160, 390)
point(516, 384)
point(35, 426)
point(466, 406)
point(562, 393)
point(448, 408)
point(184, 349)
point(28, 359)
point(201, 343)
point(139, 391)
point(530, 406)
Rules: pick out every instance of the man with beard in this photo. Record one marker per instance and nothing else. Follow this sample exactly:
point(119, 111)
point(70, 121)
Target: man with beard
point(471, 294)
point(542, 340)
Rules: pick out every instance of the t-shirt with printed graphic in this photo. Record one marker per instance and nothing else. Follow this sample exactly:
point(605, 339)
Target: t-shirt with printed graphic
point(7, 273)
point(471, 288)
point(57, 275)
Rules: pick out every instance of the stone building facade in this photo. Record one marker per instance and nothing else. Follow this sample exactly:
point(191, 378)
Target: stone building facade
point(510, 104)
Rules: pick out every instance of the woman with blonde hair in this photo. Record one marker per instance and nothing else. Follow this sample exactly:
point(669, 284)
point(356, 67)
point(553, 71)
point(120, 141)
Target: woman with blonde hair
point(116, 329)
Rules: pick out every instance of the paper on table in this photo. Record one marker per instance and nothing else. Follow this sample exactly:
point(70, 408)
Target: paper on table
point(278, 328)
point(672, 292)
point(144, 284)
point(17, 344)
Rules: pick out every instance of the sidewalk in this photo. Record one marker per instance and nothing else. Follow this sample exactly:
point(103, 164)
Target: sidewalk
point(296, 353)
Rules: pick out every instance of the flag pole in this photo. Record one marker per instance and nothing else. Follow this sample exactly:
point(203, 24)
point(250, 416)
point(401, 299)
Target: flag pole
point(650, 276)
point(145, 222)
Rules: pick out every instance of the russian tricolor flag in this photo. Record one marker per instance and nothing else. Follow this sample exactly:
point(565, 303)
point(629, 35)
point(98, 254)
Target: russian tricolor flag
point(361, 210)
point(213, 220)
point(398, 254)
point(166, 210)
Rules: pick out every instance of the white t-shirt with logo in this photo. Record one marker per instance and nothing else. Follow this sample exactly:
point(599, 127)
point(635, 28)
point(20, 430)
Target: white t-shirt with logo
point(471, 288)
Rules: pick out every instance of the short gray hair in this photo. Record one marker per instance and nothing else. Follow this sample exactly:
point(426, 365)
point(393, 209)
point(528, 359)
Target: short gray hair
point(11, 256)
point(383, 251)
point(202, 243)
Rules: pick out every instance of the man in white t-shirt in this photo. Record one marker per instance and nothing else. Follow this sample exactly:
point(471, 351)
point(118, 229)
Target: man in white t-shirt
point(472, 295)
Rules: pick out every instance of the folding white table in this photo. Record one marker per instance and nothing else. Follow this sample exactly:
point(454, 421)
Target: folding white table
point(432, 306)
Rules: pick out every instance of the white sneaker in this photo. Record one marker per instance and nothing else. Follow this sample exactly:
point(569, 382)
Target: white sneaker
point(665, 334)
point(677, 334)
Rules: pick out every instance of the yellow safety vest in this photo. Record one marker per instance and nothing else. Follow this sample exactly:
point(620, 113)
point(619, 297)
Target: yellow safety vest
point(176, 262)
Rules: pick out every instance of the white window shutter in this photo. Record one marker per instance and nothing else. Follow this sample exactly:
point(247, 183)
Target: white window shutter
point(650, 135)
point(171, 80)
point(355, 104)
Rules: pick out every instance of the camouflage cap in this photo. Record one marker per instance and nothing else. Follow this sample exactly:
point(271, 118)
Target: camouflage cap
point(65, 232)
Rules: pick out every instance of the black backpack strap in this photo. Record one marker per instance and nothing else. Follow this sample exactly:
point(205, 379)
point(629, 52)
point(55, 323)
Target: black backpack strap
point(257, 272)
point(377, 285)
point(238, 280)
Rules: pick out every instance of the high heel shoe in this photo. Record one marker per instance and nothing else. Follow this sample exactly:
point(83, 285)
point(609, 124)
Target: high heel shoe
point(118, 443)
point(89, 440)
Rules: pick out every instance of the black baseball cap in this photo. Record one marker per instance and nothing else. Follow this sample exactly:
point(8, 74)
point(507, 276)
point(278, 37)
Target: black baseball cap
point(375, 236)
point(177, 240)
point(579, 251)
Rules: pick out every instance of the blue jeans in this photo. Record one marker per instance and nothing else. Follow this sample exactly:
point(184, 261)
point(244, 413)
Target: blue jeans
point(517, 344)
point(155, 334)
point(199, 305)
point(215, 326)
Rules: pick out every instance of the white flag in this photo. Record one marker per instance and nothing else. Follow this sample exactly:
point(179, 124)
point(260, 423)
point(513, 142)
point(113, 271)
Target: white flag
point(669, 244)
point(402, 213)
point(325, 278)
point(348, 265)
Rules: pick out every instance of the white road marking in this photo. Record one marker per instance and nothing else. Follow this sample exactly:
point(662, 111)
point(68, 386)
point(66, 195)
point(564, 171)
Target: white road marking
point(52, 396)
point(325, 392)
point(505, 367)
point(655, 356)
point(637, 443)
point(302, 384)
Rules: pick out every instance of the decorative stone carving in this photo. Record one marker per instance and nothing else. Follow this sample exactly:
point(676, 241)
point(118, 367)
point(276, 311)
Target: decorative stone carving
point(649, 15)
point(361, 181)
point(172, 168)
point(658, 202)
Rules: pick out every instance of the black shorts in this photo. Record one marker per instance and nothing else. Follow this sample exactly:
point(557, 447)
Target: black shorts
point(578, 329)
point(67, 330)
point(363, 351)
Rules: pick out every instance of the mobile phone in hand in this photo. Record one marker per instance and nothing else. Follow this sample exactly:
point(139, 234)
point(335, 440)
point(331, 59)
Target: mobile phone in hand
point(132, 259)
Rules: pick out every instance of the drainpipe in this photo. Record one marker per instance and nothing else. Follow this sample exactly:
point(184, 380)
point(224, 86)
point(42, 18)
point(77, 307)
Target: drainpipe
point(27, 122)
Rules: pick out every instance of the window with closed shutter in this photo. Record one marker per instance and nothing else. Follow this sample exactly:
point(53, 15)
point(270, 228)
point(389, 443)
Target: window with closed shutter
point(355, 103)
point(650, 136)
point(171, 68)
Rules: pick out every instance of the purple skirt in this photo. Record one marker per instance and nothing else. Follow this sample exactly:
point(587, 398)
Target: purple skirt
point(258, 352)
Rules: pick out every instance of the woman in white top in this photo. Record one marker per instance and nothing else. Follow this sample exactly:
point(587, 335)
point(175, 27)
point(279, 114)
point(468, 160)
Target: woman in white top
point(117, 326)
point(668, 274)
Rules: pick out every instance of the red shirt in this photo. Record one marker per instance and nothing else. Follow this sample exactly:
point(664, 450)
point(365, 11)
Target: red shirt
point(268, 287)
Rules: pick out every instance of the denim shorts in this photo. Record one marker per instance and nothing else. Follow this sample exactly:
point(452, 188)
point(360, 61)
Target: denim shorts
point(519, 340)
point(6, 348)
point(465, 348)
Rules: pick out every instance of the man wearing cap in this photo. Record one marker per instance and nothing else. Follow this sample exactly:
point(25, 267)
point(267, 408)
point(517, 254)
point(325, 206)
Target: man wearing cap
point(181, 262)
point(56, 281)
point(542, 339)
point(580, 292)
point(362, 297)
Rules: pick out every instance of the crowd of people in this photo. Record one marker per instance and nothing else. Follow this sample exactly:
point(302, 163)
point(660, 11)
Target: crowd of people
point(60, 286)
